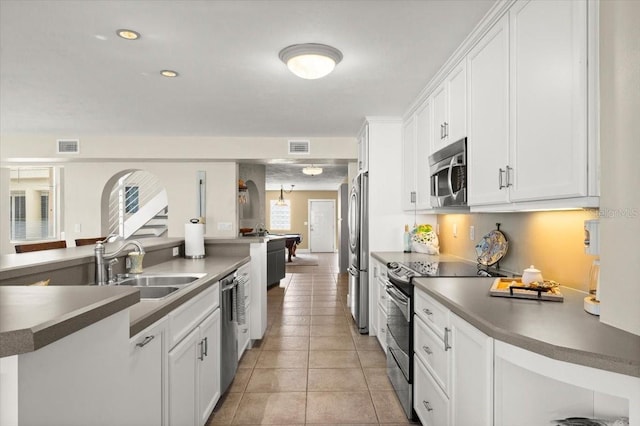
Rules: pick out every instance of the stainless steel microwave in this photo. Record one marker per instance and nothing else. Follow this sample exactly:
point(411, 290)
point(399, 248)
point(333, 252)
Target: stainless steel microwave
point(448, 168)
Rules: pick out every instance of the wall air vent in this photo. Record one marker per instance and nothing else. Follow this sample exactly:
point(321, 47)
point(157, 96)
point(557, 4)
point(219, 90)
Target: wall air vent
point(299, 147)
point(68, 146)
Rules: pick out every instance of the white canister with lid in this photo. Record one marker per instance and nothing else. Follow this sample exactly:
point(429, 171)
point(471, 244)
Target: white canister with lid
point(531, 275)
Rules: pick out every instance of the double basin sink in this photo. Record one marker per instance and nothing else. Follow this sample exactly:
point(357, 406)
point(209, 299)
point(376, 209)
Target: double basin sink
point(157, 286)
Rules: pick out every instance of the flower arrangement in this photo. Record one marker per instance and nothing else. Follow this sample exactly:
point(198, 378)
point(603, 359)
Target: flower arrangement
point(425, 240)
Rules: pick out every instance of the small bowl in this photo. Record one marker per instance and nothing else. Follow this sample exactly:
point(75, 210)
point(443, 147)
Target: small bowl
point(246, 230)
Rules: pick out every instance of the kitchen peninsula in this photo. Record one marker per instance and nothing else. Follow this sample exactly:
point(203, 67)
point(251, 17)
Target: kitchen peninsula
point(96, 334)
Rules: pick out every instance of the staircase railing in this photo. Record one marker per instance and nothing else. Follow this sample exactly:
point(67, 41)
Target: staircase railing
point(135, 200)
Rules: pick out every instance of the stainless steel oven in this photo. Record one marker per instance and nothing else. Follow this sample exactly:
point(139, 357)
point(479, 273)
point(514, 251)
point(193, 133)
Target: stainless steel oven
point(448, 168)
point(399, 346)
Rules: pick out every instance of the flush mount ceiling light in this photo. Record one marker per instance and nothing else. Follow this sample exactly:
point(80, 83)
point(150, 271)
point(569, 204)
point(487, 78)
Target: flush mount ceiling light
point(310, 60)
point(128, 34)
point(169, 73)
point(312, 171)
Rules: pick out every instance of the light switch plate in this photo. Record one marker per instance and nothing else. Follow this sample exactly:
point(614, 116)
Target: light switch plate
point(472, 233)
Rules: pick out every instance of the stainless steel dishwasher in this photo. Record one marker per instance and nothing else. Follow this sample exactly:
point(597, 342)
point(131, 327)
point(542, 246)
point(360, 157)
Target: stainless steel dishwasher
point(229, 331)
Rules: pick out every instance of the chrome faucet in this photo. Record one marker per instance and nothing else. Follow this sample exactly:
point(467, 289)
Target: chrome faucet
point(104, 273)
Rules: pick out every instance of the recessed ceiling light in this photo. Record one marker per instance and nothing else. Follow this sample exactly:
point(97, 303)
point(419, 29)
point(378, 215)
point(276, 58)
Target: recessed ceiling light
point(169, 73)
point(128, 34)
point(310, 60)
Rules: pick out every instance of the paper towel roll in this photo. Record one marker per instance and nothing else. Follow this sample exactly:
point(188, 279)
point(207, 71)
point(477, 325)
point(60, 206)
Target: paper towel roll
point(194, 240)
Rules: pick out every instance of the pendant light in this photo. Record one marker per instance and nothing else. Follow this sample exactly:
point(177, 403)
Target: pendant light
point(281, 201)
point(310, 60)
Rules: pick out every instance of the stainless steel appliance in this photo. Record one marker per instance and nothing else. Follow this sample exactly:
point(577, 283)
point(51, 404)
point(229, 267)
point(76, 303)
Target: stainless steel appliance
point(359, 252)
point(228, 331)
point(448, 168)
point(399, 289)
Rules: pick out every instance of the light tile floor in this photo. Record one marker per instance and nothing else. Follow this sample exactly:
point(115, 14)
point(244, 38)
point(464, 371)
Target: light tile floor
point(312, 367)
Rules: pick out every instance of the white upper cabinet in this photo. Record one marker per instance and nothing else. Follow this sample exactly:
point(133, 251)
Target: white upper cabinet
point(488, 140)
point(528, 124)
point(449, 102)
point(363, 149)
point(424, 133)
point(548, 100)
point(417, 133)
point(408, 163)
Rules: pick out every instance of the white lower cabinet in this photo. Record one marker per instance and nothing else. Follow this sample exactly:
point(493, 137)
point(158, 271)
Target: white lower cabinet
point(244, 330)
point(430, 403)
point(471, 375)
point(147, 375)
point(194, 362)
point(453, 367)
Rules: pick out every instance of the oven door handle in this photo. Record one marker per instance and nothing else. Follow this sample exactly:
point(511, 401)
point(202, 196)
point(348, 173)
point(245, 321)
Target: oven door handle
point(401, 301)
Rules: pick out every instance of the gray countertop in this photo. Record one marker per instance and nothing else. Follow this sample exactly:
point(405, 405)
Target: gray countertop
point(558, 330)
point(16, 264)
point(147, 312)
point(34, 316)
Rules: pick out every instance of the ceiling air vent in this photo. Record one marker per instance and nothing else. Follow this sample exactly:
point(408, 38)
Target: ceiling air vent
point(68, 146)
point(298, 147)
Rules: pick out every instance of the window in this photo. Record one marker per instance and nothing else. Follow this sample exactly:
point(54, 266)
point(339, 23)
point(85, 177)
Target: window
point(280, 216)
point(32, 215)
point(131, 199)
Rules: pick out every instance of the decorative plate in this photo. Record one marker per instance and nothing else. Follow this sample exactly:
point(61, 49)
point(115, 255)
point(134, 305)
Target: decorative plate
point(492, 248)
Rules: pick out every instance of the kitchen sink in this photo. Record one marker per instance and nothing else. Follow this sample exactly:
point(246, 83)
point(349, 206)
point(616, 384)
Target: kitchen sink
point(157, 280)
point(155, 292)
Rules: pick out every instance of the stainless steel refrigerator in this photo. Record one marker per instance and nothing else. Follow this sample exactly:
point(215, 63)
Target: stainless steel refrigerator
point(359, 252)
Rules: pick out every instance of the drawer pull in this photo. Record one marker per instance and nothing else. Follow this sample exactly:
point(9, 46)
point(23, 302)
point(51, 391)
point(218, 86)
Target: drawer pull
point(145, 342)
point(427, 349)
point(447, 346)
point(427, 405)
point(427, 311)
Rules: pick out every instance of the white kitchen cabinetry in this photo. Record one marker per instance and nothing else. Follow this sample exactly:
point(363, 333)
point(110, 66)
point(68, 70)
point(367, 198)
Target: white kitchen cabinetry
point(528, 138)
point(471, 375)
point(488, 139)
point(147, 376)
point(363, 149)
point(453, 367)
point(244, 335)
point(409, 163)
point(416, 144)
point(450, 108)
point(194, 361)
point(380, 279)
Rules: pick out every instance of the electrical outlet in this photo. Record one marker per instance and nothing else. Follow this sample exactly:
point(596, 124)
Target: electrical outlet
point(225, 226)
point(176, 251)
point(455, 230)
point(472, 233)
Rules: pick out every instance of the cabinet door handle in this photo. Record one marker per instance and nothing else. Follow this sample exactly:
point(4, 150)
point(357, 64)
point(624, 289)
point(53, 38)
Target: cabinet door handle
point(441, 131)
point(413, 197)
point(427, 405)
point(206, 346)
point(145, 341)
point(447, 346)
point(201, 344)
point(427, 349)
point(427, 311)
point(508, 173)
point(446, 129)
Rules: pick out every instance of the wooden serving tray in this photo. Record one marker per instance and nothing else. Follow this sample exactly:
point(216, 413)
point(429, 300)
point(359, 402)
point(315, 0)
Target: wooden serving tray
point(504, 287)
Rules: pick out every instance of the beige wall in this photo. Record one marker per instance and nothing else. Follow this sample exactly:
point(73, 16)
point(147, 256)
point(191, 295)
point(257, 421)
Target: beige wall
point(300, 211)
point(552, 241)
point(620, 152)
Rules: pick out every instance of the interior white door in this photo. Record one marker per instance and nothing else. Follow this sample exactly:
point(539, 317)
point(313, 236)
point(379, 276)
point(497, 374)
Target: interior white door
point(322, 225)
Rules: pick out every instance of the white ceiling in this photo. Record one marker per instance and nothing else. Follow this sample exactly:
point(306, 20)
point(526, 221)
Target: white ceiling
point(63, 71)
